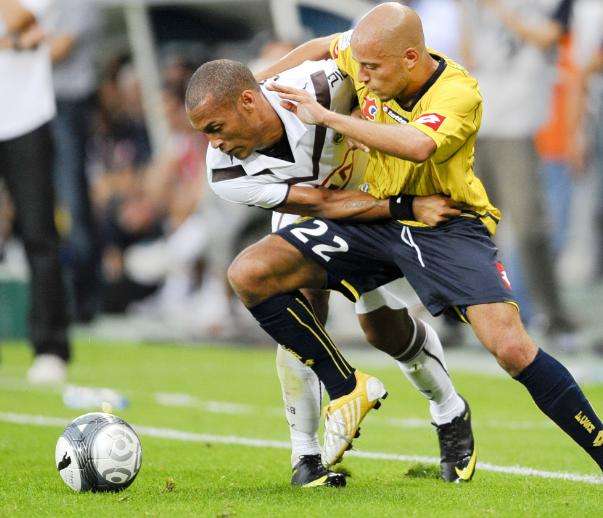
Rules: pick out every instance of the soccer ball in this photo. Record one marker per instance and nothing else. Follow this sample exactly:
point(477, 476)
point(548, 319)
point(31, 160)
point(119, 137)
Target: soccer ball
point(98, 452)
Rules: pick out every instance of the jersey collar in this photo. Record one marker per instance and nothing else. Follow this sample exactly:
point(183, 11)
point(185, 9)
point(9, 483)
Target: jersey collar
point(294, 128)
point(410, 105)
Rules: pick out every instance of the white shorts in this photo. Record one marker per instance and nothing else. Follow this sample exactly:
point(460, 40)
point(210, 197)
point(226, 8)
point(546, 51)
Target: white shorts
point(390, 294)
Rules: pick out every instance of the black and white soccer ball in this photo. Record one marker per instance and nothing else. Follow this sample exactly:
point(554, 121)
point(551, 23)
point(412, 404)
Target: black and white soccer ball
point(98, 452)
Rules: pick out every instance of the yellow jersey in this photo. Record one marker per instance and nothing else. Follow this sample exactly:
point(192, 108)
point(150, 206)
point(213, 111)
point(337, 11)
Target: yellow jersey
point(448, 109)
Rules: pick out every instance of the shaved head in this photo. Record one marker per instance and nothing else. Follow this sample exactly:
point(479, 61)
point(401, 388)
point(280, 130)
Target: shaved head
point(389, 47)
point(223, 79)
point(391, 28)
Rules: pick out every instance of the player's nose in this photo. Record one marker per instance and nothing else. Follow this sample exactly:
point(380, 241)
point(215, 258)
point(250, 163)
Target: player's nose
point(216, 142)
point(363, 76)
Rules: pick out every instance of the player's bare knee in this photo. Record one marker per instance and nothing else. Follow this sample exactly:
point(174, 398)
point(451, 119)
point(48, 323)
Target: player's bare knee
point(499, 328)
point(247, 276)
point(515, 353)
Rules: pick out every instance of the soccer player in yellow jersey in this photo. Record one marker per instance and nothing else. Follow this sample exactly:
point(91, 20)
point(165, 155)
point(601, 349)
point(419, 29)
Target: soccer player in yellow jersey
point(423, 115)
point(446, 109)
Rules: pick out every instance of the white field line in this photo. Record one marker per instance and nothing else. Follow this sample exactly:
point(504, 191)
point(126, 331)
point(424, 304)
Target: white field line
point(176, 399)
point(179, 435)
point(182, 400)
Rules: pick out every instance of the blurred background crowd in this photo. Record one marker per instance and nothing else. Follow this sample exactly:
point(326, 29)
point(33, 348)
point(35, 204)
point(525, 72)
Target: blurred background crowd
point(144, 246)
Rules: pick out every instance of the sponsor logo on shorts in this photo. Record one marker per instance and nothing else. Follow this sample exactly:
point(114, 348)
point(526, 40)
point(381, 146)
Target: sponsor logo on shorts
point(433, 120)
point(369, 108)
point(396, 116)
point(503, 275)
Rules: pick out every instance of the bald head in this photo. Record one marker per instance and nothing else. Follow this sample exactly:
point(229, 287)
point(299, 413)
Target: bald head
point(392, 28)
point(223, 79)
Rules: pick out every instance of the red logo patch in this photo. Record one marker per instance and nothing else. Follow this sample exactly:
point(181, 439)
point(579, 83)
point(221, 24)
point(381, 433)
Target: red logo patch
point(433, 120)
point(503, 275)
point(369, 108)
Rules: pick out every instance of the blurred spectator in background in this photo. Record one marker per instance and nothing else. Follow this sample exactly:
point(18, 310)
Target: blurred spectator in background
point(73, 48)
point(173, 184)
point(119, 152)
point(27, 106)
point(595, 67)
point(512, 45)
point(586, 146)
point(553, 142)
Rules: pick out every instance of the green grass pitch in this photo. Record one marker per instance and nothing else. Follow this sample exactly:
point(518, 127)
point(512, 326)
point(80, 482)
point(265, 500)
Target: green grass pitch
point(233, 393)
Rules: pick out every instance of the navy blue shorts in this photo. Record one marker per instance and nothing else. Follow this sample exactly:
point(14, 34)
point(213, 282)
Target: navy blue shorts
point(451, 267)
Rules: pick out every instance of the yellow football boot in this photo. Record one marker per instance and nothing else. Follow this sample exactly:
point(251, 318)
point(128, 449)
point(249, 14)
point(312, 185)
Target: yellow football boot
point(344, 415)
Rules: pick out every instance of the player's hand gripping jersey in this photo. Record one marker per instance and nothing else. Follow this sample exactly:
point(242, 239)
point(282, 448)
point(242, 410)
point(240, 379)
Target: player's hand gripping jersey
point(321, 157)
point(448, 109)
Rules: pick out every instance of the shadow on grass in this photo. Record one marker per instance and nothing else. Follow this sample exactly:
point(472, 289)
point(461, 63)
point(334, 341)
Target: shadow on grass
point(423, 471)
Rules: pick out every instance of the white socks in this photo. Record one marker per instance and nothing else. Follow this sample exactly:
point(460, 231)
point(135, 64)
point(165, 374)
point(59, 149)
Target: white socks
point(302, 396)
point(428, 374)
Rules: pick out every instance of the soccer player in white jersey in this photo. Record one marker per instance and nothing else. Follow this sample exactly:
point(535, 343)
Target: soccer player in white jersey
point(263, 155)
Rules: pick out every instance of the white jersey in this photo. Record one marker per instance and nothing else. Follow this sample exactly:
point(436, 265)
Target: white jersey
point(26, 92)
point(321, 155)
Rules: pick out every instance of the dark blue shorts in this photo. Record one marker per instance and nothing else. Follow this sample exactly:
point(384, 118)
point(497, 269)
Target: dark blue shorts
point(451, 267)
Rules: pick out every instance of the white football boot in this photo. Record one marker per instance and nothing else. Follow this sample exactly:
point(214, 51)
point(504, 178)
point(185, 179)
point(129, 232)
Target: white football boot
point(344, 415)
point(47, 369)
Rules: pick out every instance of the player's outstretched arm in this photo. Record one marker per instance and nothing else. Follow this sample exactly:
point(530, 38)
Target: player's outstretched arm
point(401, 141)
point(334, 204)
point(360, 206)
point(312, 50)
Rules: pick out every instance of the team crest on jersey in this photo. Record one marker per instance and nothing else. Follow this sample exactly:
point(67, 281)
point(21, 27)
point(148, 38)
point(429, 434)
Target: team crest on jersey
point(503, 275)
point(394, 115)
point(433, 120)
point(369, 108)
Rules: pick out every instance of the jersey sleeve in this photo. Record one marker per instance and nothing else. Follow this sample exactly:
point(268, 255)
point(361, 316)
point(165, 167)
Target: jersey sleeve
point(450, 119)
point(248, 190)
point(341, 51)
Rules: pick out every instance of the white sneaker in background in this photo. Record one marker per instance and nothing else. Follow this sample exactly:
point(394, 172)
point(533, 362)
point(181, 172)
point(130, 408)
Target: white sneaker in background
point(47, 369)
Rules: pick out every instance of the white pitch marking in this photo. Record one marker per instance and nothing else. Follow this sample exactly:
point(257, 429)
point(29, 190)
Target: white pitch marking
point(179, 435)
point(175, 399)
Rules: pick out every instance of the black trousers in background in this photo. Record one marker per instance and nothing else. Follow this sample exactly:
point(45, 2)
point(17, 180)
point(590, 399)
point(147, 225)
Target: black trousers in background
point(26, 167)
point(70, 130)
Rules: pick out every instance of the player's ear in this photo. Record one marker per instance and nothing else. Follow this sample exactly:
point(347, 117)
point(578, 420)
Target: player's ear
point(247, 99)
point(411, 58)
